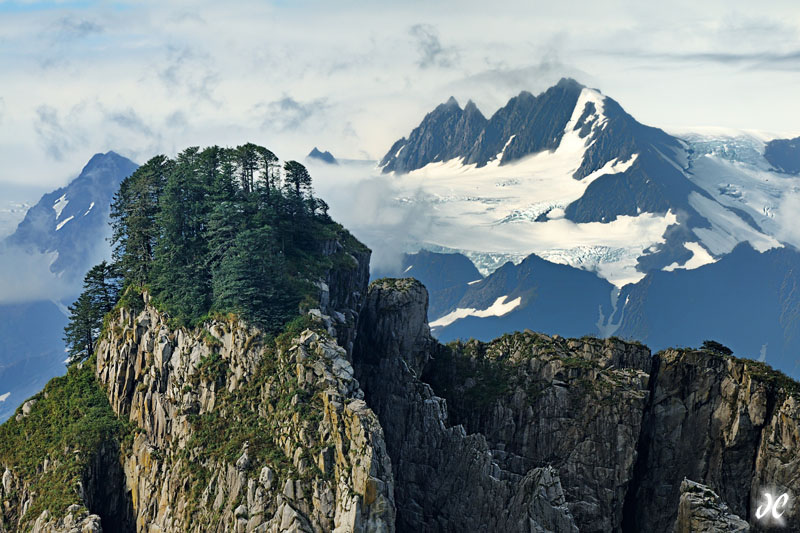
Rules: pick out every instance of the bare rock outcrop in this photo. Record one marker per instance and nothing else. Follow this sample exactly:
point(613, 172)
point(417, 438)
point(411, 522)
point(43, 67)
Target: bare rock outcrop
point(701, 510)
point(728, 423)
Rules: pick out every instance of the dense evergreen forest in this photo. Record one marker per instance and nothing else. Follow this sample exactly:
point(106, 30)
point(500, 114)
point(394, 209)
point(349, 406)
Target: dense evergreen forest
point(217, 230)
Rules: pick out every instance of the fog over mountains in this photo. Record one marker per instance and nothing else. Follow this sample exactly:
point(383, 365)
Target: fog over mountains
point(559, 213)
point(43, 265)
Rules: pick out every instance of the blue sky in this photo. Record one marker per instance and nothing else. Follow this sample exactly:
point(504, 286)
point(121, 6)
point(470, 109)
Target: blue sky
point(351, 77)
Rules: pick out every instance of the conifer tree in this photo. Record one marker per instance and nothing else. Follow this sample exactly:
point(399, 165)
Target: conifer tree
point(102, 283)
point(101, 288)
point(298, 180)
point(133, 219)
point(251, 278)
point(180, 279)
point(80, 332)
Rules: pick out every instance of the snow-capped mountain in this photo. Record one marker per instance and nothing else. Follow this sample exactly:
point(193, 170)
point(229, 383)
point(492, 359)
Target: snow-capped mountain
point(572, 177)
point(67, 222)
point(67, 230)
point(624, 219)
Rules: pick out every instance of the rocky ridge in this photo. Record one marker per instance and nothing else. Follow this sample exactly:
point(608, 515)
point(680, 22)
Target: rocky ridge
point(356, 419)
point(322, 465)
point(446, 480)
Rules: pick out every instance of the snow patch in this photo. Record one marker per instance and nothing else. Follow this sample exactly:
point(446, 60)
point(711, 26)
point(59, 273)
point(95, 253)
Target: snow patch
point(60, 204)
point(409, 268)
point(499, 308)
point(727, 228)
point(4, 397)
point(89, 210)
point(700, 257)
point(474, 282)
point(61, 224)
point(503, 151)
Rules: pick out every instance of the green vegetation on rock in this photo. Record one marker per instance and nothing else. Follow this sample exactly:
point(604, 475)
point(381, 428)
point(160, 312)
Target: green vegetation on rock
point(65, 425)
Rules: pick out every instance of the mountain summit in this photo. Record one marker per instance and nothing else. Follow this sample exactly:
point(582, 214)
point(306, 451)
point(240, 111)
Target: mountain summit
point(325, 157)
point(573, 153)
point(73, 220)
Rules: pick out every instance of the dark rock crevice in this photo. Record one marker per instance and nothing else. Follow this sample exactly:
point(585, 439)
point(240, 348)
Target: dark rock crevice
point(105, 490)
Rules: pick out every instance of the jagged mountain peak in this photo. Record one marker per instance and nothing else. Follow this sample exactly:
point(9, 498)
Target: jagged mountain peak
point(448, 132)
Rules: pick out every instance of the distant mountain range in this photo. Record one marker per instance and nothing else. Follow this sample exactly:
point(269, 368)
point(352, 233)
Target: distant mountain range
point(748, 300)
point(69, 228)
point(611, 227)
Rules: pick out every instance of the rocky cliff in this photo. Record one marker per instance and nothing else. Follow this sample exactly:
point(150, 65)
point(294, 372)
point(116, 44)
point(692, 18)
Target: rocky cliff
point(446, 480)
point(356, 419)
point(236, 431)
point(605, 430)
point(221, 427)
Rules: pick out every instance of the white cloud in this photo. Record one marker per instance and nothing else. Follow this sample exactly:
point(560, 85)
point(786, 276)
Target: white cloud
point(25, 276)
point(157, 77)
point(787, 219)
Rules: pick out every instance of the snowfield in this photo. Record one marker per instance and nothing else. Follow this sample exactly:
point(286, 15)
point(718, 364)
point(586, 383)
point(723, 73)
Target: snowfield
point(499, 308)
point(495, 214)
point(60, 204)
point(489, 214)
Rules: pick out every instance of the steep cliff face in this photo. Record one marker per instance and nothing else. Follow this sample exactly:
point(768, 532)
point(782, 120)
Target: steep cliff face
point(610, 431)
point(445, 480)
point(727, 423)
point(235, 432)
point(575, 405)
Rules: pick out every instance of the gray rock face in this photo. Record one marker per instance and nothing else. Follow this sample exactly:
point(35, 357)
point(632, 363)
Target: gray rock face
point(727, 423)
point(575, 405)
point(445, 480)
point(617, 428)
point(328, 471)
point(446, 132)
point(701, 510)
point(535, 122)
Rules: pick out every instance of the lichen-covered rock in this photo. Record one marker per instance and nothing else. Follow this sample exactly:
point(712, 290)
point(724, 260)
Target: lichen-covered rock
point(77, 520)
point(238, 433)
point(701, 510)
